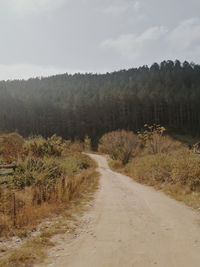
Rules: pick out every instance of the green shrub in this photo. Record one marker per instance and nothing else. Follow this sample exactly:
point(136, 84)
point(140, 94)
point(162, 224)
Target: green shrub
point(76, 162)
point(41, 147)
point(45, 179)
point(36, 171)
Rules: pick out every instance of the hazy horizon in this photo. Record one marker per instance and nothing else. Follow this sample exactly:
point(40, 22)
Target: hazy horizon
point(87, 72)
point(46, 37)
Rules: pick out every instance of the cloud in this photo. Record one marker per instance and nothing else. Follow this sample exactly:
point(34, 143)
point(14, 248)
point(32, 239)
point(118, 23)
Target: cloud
point(22, 7)
point(137, 6)
point(132, 45)
point(25, 71)
point(186, 35)
point(182, 42)
point(115, 10)
point(121, 7)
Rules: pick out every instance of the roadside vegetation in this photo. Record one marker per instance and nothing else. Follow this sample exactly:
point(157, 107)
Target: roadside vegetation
point(50, 176)
point(160, 161)
point(120, 145)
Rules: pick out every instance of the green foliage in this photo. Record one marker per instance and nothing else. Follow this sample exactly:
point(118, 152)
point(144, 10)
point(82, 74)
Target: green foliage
point(38, 172)
point(76, 162)
point(48, 171)
point(78, 105)
point(44, 179)
point(40, 147)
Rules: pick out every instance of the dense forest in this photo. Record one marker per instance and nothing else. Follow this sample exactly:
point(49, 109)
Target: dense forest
point(74, 106)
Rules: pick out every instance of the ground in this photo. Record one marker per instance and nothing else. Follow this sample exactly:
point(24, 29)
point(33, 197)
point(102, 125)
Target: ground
point(130, 225)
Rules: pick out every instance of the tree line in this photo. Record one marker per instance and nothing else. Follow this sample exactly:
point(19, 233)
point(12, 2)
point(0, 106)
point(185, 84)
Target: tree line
point(79, 105)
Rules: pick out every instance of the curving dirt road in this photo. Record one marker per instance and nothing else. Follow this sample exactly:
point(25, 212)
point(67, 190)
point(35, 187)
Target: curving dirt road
point(131, 225)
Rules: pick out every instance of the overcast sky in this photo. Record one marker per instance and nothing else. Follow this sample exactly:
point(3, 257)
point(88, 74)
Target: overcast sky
point(44, 37)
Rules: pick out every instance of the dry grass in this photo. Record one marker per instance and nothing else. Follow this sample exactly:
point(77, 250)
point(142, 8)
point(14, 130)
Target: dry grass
point(34, 249)
point(183, 194)
point(169, 166)
point(22, 212)
point(188, 140)
point(10, 147)
point(45, 181)
point(28, 254)
point(52, 178)
point(120, 145)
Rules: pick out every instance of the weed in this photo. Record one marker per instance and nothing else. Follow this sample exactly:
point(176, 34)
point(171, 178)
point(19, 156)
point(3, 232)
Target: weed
point(166, 164)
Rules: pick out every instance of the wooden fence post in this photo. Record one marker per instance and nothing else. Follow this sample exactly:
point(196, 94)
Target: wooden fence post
point(14, 210)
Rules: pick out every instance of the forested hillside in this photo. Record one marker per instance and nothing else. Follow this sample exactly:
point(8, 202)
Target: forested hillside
point(92, 104)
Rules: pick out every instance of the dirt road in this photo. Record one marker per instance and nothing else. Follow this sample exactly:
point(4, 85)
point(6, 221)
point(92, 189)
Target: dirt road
point(131, 225)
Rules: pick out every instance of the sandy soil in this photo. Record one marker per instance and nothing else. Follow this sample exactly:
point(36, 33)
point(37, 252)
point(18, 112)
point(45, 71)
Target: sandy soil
point(130, 225)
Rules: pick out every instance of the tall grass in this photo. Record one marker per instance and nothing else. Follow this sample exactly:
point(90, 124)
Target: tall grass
point(46, 180)
point(10, 147)
point(166, 164)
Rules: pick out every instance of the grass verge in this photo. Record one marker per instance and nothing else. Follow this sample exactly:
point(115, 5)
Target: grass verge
point(33, 250)
point(176, 173)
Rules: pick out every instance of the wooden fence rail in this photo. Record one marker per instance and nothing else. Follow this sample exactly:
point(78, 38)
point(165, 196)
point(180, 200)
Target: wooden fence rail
point(8, 167)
